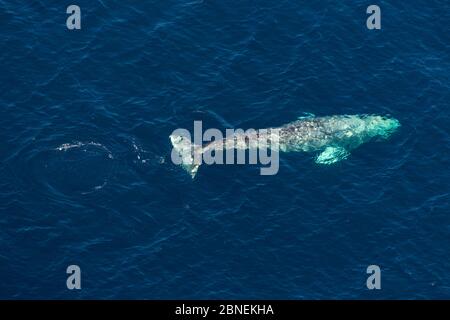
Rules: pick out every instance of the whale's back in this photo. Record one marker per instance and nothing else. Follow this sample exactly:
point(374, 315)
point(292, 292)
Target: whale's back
point(305, 135)
point(349, 131)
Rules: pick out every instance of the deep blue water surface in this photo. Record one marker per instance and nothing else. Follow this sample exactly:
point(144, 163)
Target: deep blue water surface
point(86, 176)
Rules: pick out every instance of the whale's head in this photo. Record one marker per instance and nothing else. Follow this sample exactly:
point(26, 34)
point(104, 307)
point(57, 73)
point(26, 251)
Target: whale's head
point(381, 126)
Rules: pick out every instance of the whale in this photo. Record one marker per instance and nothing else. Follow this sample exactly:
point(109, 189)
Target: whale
point(331, 138)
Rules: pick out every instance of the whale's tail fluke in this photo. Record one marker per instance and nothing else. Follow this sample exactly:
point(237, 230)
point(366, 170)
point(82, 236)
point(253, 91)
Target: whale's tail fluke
point(185, 153)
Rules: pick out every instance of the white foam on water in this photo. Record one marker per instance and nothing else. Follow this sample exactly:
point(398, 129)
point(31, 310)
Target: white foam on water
point(78, 144)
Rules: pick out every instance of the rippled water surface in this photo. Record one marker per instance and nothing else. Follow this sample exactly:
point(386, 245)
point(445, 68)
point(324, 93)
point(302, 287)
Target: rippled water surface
point(86, 176)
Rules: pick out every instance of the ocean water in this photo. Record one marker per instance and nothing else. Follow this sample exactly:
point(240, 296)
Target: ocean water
point(86, 176)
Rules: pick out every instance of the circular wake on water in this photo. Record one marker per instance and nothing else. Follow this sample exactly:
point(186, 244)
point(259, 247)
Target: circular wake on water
point(74, 168)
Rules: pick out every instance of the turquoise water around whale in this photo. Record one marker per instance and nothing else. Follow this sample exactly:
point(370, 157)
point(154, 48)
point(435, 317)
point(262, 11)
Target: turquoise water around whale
point(86, 176)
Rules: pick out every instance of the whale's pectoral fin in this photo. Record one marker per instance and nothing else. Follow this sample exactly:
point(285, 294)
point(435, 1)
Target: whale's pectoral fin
point(332, 155)
point(306, 115)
